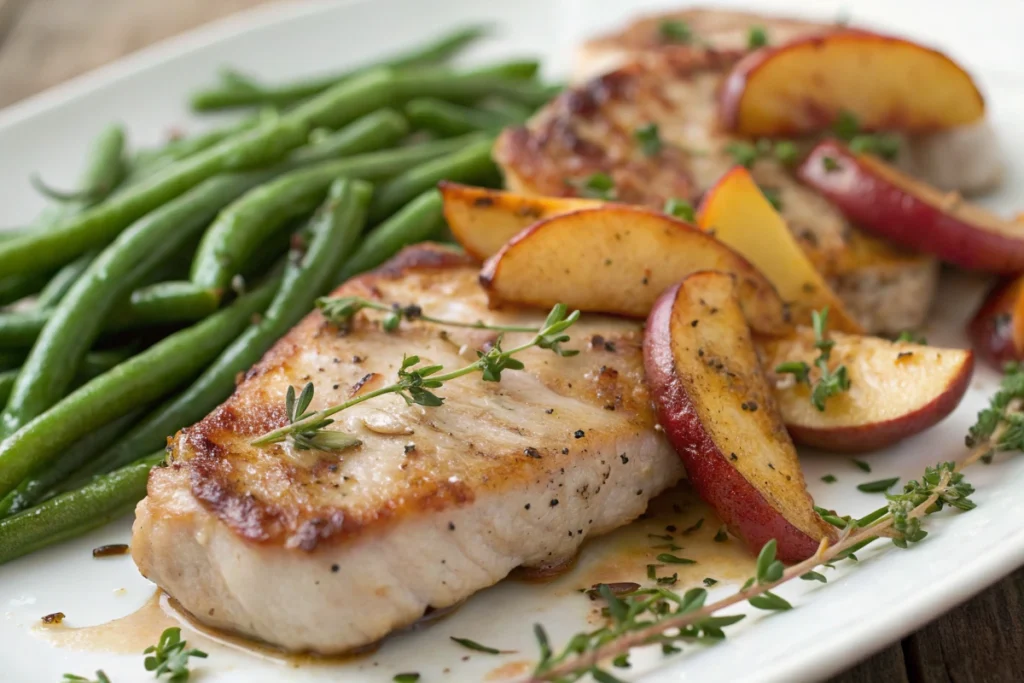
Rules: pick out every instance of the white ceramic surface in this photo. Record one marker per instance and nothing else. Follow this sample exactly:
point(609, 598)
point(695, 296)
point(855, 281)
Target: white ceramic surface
point(888, 594)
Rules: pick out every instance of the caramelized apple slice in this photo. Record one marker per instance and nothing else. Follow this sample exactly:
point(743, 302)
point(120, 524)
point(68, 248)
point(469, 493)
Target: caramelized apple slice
point(618, 259)
point(737, 213)
point(897, 389)
point(803, 86)
point(882, 200)
point(997, 329)
point(483, 220)
point(717, 409)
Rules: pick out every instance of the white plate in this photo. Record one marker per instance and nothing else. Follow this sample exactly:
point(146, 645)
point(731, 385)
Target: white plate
point(887, 595)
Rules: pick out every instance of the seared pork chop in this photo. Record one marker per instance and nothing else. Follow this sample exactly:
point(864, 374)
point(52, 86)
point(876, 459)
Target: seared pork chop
point(964, 159)
point(592, 129)
point(327, 552)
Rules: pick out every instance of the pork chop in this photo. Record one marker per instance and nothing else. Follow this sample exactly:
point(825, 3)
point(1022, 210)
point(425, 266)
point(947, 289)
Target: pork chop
point(593, 129)
point(324, 552)
point(965, 159)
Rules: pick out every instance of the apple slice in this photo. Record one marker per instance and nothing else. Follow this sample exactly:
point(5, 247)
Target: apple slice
point(897, 389)
point(717, 409)
point(802, 87)
point(997, 329)
point(736, 212)
point(618, 259)
point(882, 200)
point(482, 220)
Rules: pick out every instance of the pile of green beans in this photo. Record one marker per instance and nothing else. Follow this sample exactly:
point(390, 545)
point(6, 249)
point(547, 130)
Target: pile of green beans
point(121, 343)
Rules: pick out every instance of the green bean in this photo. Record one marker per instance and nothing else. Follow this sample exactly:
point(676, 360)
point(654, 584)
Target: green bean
point(233, 96)
point(148, 161)
point(62, 281)
point(417, 221)
point(465, 88)
point(72, 514)
point(104, 170)
point(334, 231)
point(17, 287)
point(262, 145)
point(76, 322)
point(473, 164)
point(137, 381)
point(378, 130)
point(446, 119)
point(11, 359)
point(167, 302)
point(512, 112)
point(159, 304)
point(7, 378)
point(244, 225)
point(102, 223)
point(37, 486)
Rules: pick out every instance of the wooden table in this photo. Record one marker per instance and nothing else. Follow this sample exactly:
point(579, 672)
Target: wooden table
point(43, 42)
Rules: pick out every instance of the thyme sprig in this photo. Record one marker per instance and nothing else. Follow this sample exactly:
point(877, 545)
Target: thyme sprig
point(636, 619)
point(340, 310)
point(415, 382)
point(169, 656)
point(830, 382)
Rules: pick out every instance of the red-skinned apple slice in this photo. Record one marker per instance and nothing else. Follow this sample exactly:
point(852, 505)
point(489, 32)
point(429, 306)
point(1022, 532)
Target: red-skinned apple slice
point(618, 259)
point(888, 203)
point(997, 329)
point(717, 409)
point(897, 389)
point(801, 87)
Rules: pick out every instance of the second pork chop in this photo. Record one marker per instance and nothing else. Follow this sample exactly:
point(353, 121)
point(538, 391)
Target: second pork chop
point(328, 552)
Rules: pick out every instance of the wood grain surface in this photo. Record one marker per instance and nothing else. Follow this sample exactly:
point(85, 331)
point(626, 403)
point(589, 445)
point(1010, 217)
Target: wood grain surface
point(44, 42)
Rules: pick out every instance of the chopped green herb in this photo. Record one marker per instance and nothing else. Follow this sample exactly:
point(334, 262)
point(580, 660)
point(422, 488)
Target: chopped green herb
point(708, 581)
point(814, 576)
point(830, 164)
point(880, 144)
point(473, 645)
point(743, 153)
point(411, 677)
point(694, 527)
point(829, 479)
point(880, 486)
point(597, 186)
point(169, 656)
point(675, 31)
point(649, 139)
point(846, 125)
point(100, 678)
point(756, 37)
point(672, 559)
point(721, 536)
point(668, 580)
point(680, 208)
point(769, 601)
point(861, 464)
point(773, 197)
point(652, 571)
point(830, 382)
point(786, 152)
point(912, 337)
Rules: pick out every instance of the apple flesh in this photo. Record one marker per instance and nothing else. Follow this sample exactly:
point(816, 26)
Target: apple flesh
point(897, 389)
point(997, 329)
point(718, 411)
point(890, 204)
point(738, 214)
point(802, 87)
point(618, 259)
point(483, 220)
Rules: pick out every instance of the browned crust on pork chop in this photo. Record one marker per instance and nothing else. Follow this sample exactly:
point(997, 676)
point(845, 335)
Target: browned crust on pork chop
point(231, 479)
